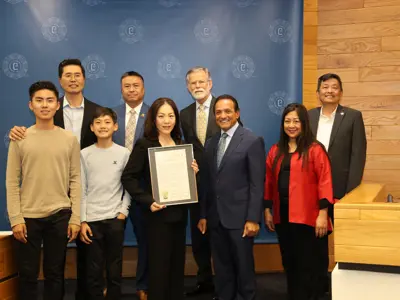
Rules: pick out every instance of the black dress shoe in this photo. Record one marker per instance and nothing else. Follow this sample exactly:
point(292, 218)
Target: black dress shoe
point(201, 288)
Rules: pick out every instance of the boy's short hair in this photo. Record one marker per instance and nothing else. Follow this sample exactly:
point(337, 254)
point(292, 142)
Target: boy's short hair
point(42, 85)
point(104, 111)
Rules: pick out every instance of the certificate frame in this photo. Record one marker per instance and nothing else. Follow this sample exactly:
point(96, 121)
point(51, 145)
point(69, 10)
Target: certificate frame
point(192, 196)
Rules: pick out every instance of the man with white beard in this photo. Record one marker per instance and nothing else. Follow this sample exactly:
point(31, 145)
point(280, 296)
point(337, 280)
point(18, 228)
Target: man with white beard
point(198, 124)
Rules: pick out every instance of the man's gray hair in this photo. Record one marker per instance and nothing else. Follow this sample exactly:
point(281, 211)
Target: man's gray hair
point(198, 69)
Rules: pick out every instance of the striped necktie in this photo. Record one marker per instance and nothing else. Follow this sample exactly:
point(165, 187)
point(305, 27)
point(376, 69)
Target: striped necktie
point(130, 130)
point(201, 125)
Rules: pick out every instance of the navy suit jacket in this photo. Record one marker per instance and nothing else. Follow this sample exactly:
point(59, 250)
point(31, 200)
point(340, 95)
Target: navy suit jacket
point(234, 192)
point(119, 136)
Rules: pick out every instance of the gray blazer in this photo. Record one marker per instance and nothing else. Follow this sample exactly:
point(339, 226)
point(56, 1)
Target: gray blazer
point(347, 148)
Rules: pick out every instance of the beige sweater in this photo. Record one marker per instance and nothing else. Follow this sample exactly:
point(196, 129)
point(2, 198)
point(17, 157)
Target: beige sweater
point(43, 175)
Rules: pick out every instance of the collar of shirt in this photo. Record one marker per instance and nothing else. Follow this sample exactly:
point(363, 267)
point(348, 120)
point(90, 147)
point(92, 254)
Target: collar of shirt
point(321, 115)
point(206, 104)
point(137, 109)
point(232, 130)
point(66, 103)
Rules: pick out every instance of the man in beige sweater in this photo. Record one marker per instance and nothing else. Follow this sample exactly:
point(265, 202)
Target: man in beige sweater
point(43, 195)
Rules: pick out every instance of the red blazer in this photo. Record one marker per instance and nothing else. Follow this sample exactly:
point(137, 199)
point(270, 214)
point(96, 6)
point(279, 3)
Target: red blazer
point(307, 186)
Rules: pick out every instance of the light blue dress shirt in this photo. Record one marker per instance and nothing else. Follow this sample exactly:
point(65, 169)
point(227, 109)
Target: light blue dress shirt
point(73, 118)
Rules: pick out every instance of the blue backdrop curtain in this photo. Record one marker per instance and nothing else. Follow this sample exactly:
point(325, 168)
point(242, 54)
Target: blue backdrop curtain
point(253, 49)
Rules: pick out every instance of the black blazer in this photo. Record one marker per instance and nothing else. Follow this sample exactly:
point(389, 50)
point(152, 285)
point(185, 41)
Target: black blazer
point(136, 180)
point(188, 125)
point(347, 148)
point(88, 138)
point(234, 192)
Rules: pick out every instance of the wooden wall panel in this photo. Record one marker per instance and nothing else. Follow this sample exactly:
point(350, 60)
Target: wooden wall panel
point(372, 88)
point(385, 162)
point(339, 4)
point(363, 15)
point(349, 45)
point(390, 43)
point(382, 3)
point(388, 73)
point(347, 75)
point(376, 118)
point(356, 60)
point(348, 31)
point(386, 133)
point(378, 102)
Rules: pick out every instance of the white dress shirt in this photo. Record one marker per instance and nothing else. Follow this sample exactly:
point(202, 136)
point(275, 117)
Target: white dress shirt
point(325, 125)
point(207, 105)
point(128, 113)
point(230, 133)
point(73, 117)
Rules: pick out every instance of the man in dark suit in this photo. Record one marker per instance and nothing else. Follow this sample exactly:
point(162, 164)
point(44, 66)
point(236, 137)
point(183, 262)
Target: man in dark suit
point(131, 116)
point(231, 200)
point(198, 124)
point(341, 130)
point(75, 114)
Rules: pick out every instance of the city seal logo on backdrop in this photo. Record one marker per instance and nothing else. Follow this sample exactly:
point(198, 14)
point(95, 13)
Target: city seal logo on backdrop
point(243, 67)
point(206, 31)
point(94, 66)
point(280, 31)
point(169, 3)
point(131, 31)
point(277, 102)
point(15, 66)
point(169, 67)
point(54, 30)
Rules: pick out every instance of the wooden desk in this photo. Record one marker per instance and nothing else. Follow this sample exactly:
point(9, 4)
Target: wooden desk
point(367, 229)
point(8, 268)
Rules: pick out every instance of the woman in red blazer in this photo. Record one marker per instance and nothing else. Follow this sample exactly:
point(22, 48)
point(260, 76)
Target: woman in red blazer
point(298, 191)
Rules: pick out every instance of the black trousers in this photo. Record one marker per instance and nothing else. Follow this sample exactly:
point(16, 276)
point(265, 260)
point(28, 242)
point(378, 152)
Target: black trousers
point(52, 231)
point(233, 258)
point(304, 258)
point(105, 249)
point(166, 245)
point(201, 247)
point(81, 284)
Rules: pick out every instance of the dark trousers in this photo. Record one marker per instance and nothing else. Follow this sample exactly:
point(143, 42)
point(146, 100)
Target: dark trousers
point(105, 249)
point(52, 231)
point(81, 290)
point(166, 242)
point(235, 277)
point(304, 258)
point(201, 247)
point(139, 228)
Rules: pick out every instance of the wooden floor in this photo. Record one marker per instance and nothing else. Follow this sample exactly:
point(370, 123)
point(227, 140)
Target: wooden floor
point(267, 260)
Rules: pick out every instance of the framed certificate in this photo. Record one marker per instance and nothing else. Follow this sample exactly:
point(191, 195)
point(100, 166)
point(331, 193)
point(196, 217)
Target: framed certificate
point(173, 180)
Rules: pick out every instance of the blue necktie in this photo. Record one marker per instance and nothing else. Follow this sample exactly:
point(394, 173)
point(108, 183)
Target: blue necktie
point(221, 148)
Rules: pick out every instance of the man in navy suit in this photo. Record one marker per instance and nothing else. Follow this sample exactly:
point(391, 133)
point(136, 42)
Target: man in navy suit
point(231, 200)
point(131, 116)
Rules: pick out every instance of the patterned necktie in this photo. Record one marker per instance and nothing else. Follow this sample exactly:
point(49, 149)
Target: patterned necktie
point(201, 124)
point(221, 148)
point(130, 130)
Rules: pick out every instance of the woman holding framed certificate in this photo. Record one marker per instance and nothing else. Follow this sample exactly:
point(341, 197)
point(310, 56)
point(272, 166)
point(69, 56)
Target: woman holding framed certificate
point(165, 224)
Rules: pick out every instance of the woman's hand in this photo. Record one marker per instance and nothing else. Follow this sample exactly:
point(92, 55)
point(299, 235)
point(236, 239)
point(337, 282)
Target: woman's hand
point(156, 207)
point(269, 220)
point(321, 225)
point(195, 166)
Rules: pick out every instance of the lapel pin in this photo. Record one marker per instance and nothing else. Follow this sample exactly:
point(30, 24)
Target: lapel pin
point(342, 113)
point(142, 115)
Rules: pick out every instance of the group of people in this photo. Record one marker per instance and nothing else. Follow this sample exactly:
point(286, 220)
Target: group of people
point(81, 170)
